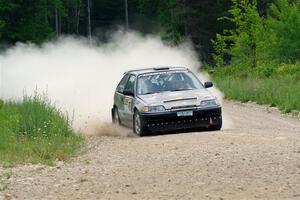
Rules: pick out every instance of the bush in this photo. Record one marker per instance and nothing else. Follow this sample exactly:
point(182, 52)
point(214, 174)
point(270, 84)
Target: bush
point(288, 69)
point(282, 91)
point(237, 71)
point(34, 131)
point(265, 54)
point(242, 41)
point(264, 71)
point(1, 104)
point(260, 40)
point(283, 29)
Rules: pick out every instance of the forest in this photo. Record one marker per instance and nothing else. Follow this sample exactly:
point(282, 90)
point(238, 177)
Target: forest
point(40, 20)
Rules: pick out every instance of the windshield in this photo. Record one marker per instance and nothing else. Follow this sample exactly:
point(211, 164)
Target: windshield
point(167, 81)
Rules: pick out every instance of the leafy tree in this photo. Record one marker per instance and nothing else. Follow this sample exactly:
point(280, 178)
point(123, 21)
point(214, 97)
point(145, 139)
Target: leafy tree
point(241, 42)
point(194, 19)
point(283, 29)
point(1, 104)
point(24, 21)
point(6, 6)
point(39, 20)
point(1, 27)
point(221, 50)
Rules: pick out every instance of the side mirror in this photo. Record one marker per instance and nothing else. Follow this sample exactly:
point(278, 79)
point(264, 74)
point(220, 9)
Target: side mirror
point(208, 84)
point(128, 93)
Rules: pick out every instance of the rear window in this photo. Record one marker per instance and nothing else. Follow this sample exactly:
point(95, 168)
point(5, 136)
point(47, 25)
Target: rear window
point(122, 83)
point(130, 84)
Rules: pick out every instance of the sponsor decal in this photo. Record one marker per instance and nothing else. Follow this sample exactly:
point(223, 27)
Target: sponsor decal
point(127, 104)
point(159, 73)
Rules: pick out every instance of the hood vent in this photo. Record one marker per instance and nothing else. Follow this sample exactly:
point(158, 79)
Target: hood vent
point(183, 107)
point(185, 99)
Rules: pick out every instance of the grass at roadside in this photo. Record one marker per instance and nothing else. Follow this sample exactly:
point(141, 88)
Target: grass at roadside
point(34, 131)
point(277, 89)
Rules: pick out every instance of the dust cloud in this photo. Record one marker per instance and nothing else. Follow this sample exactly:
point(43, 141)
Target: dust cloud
point(227, 121)
point(80, 77)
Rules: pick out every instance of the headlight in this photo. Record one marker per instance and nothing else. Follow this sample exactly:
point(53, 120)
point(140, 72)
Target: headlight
point(152, 109)
point(208, 103)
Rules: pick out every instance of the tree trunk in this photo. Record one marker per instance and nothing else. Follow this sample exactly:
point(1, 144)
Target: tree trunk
point(68, 19)
point(59, 24)
point(89, 20)
point(77, 17)
point(126, 15)
point(56, 22)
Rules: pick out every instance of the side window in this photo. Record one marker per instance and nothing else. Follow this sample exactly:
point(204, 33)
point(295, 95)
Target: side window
point(130, 84)
point(122, 83)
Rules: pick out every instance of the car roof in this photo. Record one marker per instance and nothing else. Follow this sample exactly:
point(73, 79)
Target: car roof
point(155, 69)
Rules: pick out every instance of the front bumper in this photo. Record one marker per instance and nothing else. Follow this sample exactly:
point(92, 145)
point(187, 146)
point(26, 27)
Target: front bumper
point(168, 121)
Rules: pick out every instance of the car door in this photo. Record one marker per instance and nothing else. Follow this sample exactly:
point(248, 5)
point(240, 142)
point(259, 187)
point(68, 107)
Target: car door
point(119, 97)
point(128, 100)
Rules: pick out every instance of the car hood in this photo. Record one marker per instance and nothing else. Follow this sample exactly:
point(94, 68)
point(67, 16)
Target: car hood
point(178, 99)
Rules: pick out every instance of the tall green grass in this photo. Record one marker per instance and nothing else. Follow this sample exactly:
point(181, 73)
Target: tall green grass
point(34, 131)
point(282, 91)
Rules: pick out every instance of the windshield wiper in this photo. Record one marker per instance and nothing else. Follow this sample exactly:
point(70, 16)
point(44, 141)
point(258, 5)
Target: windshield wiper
point(149, 93)
point(153, 92)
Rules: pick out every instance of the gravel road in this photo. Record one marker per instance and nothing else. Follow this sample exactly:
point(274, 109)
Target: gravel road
point(256, 156)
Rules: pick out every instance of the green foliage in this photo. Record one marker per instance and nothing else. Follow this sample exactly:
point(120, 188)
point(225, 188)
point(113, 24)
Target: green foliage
point(240, 42)
point(196, 20)
point(148, 8)
point(260, 40)
point(289, 69)
point(282, 91)
point(40, 20)
point(220, 46)
point(1, 27)
point(23, 21)
point(36, 22)
point(170, 16)
point(36, 132)
point(269, 43)
point(283, 29)
point(263, 71)
point(246, 37)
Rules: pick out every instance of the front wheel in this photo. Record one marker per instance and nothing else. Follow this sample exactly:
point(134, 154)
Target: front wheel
point(138, 125)
point(217, 126)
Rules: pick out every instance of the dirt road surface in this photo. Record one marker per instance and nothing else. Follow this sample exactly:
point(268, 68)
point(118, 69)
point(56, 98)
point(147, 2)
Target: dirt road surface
point(256, 157)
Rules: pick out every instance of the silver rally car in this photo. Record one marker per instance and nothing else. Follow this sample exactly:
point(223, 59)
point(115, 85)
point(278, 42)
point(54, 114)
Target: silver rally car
point(165, 99)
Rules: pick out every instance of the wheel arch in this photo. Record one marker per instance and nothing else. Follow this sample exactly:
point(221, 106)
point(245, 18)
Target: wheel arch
point(135, 109)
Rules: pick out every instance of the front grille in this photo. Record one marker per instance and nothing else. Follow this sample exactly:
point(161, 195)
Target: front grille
point(199, 117)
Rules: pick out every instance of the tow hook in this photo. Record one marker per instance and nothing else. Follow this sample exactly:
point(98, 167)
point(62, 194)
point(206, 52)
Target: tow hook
point(210, 121)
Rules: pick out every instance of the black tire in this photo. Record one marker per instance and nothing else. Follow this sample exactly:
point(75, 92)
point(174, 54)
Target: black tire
point(140, 129)
point(217, 126)
point(115, 116)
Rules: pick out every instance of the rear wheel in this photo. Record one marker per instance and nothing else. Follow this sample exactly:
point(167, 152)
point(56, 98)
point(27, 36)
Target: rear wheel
point(138, 125)
point(115, 116)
